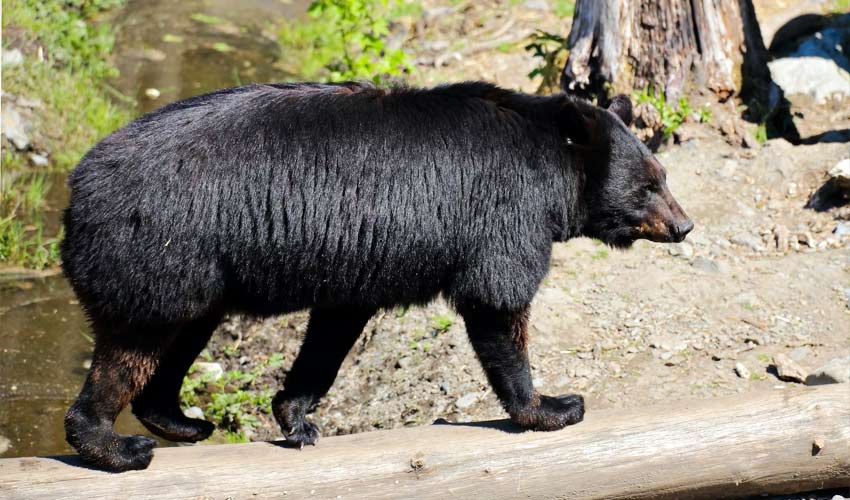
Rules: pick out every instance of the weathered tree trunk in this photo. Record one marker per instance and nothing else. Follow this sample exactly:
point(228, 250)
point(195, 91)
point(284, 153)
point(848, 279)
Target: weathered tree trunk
point(781, 441)
point(669, 45)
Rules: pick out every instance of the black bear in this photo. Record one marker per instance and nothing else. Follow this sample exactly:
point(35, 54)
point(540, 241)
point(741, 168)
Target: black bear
point(342, 198)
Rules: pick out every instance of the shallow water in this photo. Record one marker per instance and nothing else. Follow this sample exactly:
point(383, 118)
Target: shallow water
point(180, 49)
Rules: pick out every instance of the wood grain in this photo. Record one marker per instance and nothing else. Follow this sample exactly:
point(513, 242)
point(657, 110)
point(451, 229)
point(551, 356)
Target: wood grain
point(721, 448)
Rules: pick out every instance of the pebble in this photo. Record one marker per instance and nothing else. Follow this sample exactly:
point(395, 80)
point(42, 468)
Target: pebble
point(787, 370)
point(14, 127)
point(842, 229)
point(728, 169)
point(748, 240)
point(742, 371)
point(835, 372)
point(466, 400)
point(705, 264)
point(213, 369)
point(12, 57)
point(194, 412)
point(404, 362)
point(780, 238)
point(152, 93)
point(684, 250)
point(5, 444)
point(38, 160)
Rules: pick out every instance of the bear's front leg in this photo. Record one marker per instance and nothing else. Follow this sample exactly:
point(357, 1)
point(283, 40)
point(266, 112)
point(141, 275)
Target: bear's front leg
point(499, 339)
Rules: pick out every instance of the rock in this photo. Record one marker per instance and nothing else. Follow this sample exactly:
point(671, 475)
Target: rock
point(835, 372)
point(466, 400)
point(38, 160)
point(705, 264)
point(5, 444)
point(152, 93)
point(194, 412)
point(244, 360)
point(541, 5)
point(212, 370)
point(787, 370)
point(813, 76)
point(838, 497)
point(807, 239)
point(780, 238)
point(842, 229)
point(13, 57)
point(748, 240)
point(684, 250)
point(742, 371)
point(14, 127)
point(728, 169)
point(799, 353)
point(404, 362)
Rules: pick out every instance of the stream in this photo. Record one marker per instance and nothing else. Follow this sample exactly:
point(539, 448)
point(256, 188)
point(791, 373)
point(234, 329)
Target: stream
point(165, 51)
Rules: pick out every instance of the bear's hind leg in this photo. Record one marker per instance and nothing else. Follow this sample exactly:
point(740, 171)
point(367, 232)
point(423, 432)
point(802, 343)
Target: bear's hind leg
point(122, 363)
point(330, 335)
point(499, 340)
point(158, 404)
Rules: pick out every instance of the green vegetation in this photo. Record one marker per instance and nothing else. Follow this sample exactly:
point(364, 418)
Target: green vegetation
point(672, 116)
point(840, 6)
point(552, 51)
point(72, 112)
point(564, 8)
point(231, 402)
point(442, 322)
point(346, 40)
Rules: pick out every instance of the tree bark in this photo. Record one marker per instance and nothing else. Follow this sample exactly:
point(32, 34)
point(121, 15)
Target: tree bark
point(669, 45)
point(780, 441)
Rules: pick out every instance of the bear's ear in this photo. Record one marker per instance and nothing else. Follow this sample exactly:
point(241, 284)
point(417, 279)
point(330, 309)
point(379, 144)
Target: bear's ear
point(621, 106)
point(578, 121)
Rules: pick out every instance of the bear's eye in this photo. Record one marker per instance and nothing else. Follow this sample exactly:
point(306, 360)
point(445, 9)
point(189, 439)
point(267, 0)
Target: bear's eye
point(650, 188)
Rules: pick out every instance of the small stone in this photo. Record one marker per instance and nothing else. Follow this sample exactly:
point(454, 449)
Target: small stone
point(842, 229)
point(840, 173)
point(835, 372)
point(807, 239)
point(787, 370)
point(13, 57)
point(748, 240)
point(5, 444)
point(466, 400)
point(38, 160)
point(87, 364)
point(194, 412)
point(213, 370)
point(244, 360)
point(705, 264)
point(742, 371)
point(684, 250)
point(838, 497)
point(404, 362)
point(780, 238)
point(14, 127)
point(152, 93)
point(728, 169)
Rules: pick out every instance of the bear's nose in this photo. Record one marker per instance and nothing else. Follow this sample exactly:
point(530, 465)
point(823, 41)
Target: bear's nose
point(681, 229)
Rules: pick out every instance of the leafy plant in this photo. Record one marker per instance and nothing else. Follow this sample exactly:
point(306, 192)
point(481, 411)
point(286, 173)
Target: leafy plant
point(564, 8)
point(442, 322)
point(552, 51)
point(345, 40)
point(672, 116)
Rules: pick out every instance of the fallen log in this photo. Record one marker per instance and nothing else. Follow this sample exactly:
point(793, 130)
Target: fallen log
point(794, 439)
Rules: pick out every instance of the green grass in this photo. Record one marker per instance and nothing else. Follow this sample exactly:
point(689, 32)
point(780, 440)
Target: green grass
point(442, 322)
point(840, 6)
point(75, 112)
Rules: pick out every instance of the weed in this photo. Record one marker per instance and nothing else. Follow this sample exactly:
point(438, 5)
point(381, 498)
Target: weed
point(552, 51)
point(206, 18)
point(761, 133)
point(672, 116)
point(345, 40)
point(600, 254)
point(442, 322)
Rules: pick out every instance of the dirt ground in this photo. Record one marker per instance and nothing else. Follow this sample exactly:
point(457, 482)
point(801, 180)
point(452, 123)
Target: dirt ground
point(624, 329)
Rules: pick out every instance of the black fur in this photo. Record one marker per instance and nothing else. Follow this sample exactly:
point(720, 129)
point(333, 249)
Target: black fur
point(344, 198)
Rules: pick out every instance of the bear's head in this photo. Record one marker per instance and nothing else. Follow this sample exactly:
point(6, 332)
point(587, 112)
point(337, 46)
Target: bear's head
point(623, 186)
